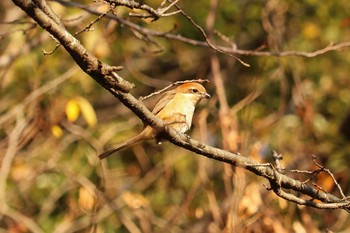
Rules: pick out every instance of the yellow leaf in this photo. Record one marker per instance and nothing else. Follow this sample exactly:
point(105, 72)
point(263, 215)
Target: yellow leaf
point(251, 201)
point(21, 171)
point(87, 111)
point(56, 131)
point(86, 199)
point(134, 200)
point(311, 30)
point(72, 110)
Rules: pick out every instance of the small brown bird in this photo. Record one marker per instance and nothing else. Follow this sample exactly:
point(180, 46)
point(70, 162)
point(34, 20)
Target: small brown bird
point(175, 108)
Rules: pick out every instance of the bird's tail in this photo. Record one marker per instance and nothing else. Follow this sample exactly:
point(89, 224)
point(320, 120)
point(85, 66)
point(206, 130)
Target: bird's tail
point(123, 145)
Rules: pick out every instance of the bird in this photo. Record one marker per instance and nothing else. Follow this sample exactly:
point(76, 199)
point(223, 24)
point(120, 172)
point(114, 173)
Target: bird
point(175, 107)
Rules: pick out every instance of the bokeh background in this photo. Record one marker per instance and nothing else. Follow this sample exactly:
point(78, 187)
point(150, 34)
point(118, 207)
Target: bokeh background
point(55, 120)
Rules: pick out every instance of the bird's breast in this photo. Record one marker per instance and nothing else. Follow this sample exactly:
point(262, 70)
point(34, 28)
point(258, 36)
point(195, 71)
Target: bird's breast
point(178, 112)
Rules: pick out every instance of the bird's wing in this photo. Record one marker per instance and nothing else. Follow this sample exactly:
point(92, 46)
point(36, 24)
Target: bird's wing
point(163, 101)
point(145, 134)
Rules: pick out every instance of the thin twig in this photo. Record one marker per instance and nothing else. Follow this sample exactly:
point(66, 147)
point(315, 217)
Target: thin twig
point(313, 173)
point(277, 158)
point(276, 186)
point(56, 47)
point(178, 37)
point(319, 187)
point(155, 13)
point(225, 39)
point(172, 85)
point(136, 5)
point(88, 27)
point(211, 45)
point(331, 175)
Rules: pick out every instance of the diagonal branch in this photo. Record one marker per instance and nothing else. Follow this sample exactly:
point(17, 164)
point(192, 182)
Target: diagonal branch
point(101, 72)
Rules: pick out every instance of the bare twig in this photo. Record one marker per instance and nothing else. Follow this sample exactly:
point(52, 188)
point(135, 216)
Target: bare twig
point(52, 51)
point(227, 50)
point(313, 174)
point(330, 174)
point(225, 39)
point(172, 85)
point(211, 45)
point(319, 187)
point(276, 186)
point(56, 47)
point(277, 158)
point(164, 9)
point(152, 13)
point(88, 27)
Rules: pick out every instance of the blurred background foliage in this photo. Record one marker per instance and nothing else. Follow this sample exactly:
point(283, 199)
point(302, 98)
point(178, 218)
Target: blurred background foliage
point(55, 120)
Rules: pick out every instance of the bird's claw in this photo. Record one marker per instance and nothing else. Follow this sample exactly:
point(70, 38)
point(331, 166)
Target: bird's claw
point(188, 138)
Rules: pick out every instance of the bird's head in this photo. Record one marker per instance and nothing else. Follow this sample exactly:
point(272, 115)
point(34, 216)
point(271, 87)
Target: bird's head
point(194, 91)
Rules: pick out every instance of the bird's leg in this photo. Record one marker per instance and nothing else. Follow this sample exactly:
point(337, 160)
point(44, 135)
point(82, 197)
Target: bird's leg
point(179, 124)
point(176, 122)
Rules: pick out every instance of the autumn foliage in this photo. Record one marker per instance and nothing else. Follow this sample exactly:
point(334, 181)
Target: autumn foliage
point(278, 75)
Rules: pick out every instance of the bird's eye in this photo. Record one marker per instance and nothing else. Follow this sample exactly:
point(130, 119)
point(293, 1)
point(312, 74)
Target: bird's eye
point(194, 90)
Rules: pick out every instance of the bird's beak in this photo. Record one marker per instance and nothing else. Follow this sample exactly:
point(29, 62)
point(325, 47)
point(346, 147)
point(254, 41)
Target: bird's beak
point(206, 95)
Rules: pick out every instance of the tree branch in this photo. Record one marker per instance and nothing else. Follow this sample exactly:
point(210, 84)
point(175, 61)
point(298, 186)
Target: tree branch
point(152, 13)
point(222, 49)
point(101, 72)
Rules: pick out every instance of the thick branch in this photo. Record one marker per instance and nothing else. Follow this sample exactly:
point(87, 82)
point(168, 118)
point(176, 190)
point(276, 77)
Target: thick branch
point(87, 62)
